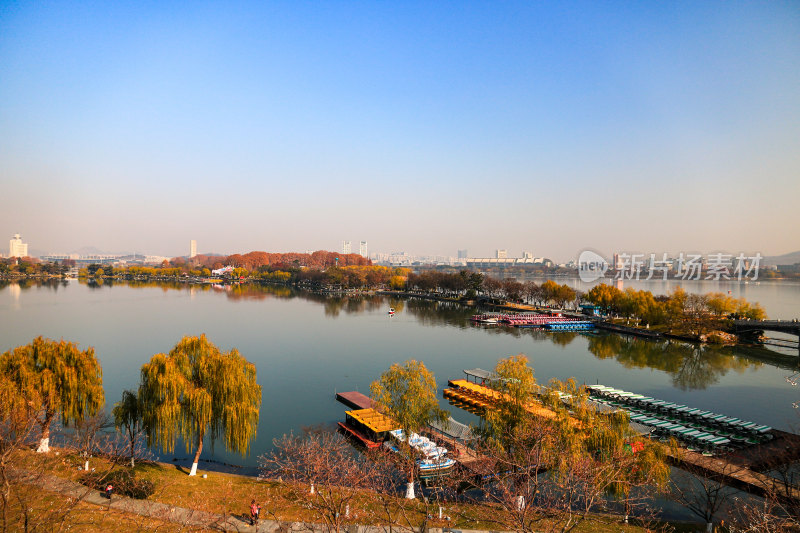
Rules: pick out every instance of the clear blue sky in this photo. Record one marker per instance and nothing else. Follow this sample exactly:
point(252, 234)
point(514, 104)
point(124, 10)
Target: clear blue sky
point(425, 127)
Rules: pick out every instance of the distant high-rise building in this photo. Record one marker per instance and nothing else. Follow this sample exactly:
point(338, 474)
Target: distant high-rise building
point(501, 254)
point(16, 248)
point(362, 249)
point(192, 248)
point(347, 247)
point(462, 254)
point(527, 255)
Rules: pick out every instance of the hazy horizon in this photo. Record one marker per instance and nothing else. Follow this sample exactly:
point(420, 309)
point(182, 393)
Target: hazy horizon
point(544, 127)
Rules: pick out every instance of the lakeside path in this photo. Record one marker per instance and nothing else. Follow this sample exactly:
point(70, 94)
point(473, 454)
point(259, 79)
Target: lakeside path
point(152, 509)
point(200, 519)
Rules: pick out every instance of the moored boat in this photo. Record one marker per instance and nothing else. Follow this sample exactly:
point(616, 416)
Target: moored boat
point(432, 458)
point(367, 426)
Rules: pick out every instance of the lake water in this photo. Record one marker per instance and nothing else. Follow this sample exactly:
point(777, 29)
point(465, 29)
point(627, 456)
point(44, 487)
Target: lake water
point(307, 347)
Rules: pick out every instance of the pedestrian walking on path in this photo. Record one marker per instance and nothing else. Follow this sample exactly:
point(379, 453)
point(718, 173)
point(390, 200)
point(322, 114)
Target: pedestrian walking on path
point(255, 510)
point(109, 489)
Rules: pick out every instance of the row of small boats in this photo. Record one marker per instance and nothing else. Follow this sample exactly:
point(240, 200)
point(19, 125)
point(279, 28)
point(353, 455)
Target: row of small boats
point(533, 320)
point(695, 426)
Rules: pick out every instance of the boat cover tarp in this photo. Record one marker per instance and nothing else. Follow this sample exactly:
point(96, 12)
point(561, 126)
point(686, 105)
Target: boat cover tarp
point(641, 429)
point(454, 429)
point(372, 419)
point(602, 407)
point(479, 373)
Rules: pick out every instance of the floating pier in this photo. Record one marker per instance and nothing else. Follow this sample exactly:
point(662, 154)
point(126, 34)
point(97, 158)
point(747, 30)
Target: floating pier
point(355, 400)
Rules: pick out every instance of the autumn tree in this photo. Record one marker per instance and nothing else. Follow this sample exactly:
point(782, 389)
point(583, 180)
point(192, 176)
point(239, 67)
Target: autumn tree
point(515, 382)
point(706, 497)
point(24, 506)
point(197, 390)
point(407, 394)
point(513, 290)
point(720, 304)
point(63, 380)
point(564, 294)
point(556, 461)
point(745, 309)
point(18, 423)
point(128, 418)
point(605, 296)
point(491, 287)
point(323, 472)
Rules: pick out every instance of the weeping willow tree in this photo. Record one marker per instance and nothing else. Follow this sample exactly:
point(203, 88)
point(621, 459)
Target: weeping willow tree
point(57, 379)
point(128, 418)
point(610, 461)
point(197, 391)
point(558, 460)
point(407, 394)
point(515, 380)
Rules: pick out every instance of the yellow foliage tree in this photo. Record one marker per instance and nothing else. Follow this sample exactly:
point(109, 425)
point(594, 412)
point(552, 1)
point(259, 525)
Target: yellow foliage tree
point(57, 379)
point(197, 390)
point(407, 394)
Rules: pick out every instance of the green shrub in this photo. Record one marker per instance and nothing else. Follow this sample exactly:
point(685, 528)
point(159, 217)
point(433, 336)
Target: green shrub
point(124, 482)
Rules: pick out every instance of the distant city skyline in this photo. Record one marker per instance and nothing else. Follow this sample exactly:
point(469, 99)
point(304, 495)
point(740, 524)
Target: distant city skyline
point(544, 127)
point(19, 248)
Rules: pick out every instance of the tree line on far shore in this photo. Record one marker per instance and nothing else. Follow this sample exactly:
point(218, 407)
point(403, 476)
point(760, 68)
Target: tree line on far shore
point(691, 314)
point(679, 309)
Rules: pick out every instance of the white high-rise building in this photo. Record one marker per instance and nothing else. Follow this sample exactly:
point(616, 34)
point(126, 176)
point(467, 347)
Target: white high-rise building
point(16, 248)
point(346, 247)
point(362, 249)
point(501, 254)
point(192, 248)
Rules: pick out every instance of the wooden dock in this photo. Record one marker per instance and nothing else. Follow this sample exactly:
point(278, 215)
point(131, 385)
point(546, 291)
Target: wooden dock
point(741, 468)
point(355, 400)
point(467, 458)
point(735, 475)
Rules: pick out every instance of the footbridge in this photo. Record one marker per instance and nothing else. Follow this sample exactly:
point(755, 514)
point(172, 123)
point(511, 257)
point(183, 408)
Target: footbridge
point(757, 327)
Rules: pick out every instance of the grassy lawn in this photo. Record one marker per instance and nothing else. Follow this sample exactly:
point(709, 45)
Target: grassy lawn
point(230, 494)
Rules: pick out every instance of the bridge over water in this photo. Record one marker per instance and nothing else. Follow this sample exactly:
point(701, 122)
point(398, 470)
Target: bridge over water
point(757, 327)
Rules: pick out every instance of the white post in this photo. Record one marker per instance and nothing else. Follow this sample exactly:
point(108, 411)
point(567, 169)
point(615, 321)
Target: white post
point(410, 491)
point(193, 472)
point(440, 512)
point(86, 465)
point(312, 489)
point(347, 511)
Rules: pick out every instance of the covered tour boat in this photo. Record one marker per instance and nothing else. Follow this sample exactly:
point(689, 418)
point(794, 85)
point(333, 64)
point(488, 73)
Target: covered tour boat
point(367, 426)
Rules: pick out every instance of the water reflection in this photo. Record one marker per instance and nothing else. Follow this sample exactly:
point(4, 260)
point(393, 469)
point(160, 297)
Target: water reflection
point(690, 367)
point(30, 283)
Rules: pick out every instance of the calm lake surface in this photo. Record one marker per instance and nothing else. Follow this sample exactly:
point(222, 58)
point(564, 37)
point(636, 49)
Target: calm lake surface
point(307, 347)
